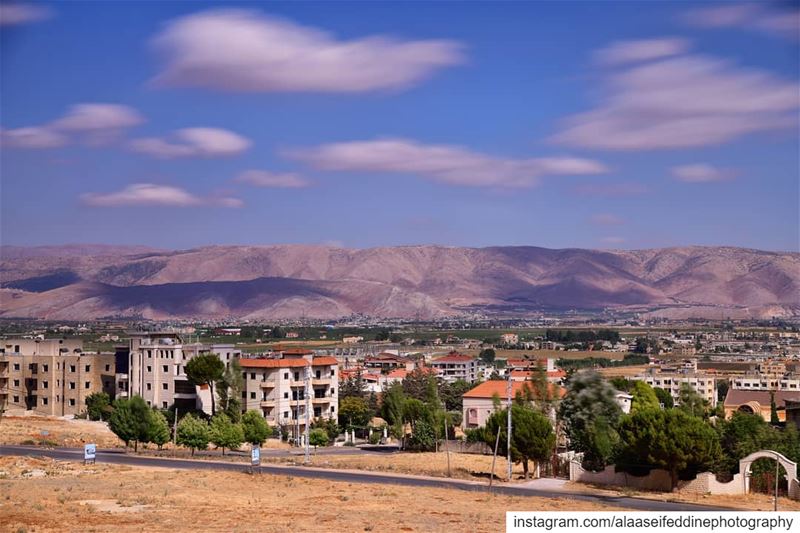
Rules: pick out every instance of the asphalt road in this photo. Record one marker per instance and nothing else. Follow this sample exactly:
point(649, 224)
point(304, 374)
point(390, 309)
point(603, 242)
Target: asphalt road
point(350, 476)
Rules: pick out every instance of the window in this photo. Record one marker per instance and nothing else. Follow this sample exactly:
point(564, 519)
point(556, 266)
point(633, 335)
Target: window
point(149, 386)
point(72, 402)
point(285, 374)
point(297, 376)
point(87, 385)
point(285, 413)
point(149, 369)
point(166, 368)
point(16, 399)
point(44, 401)
point(44, 384)
point(88, 368)
point(165, 386)
point(16, 383)
point(285, 395)
point(72, 385)
point(319, 374)
point(164, 405)
point(16, 366)
point(44, 368)
point(244, 395)
point(244, 375)
point(72, 368)
point(108, 368)
point(333, 391)
point(252, 375)
point(333, 408)
point(252, 395)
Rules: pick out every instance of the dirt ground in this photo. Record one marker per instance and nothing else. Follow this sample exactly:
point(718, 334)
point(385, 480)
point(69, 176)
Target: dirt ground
point(49, 431)
point(45, 495)
point(462, 465)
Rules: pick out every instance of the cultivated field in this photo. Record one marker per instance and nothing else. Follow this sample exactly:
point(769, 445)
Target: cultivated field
point(45, 495)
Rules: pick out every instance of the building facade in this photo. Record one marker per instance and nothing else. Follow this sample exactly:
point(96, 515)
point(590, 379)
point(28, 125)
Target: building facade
point(703, 384)
point(52, 376)
point(455, 366)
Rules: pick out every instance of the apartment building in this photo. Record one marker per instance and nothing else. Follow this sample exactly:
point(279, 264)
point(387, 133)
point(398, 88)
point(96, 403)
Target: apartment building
point(455, 366)
point(767, 382)
point(52, 376)
point(278, 388)
point(157, 369)
point(703, 384)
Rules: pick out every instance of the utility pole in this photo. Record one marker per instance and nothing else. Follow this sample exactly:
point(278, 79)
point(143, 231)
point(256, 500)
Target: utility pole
point(508, 429)
point(308, 412)
point(175, 428)
point(446, 447)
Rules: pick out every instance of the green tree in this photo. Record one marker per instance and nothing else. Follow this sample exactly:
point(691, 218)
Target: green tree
point(255, 428)
point(423, 436)
point(672, 440)
point(353, 386)
point(417, 384)
point(318, 437)
point(393, 406)
point(452, 394)
point(223, 433)
point(487, 355)
point(690, 402)
point(158, 430)
point(354, 412)
point(98, 406)
point(130, 420)
point(644, 397)
point(532, 435)
point(193, 433)
point(329, 425)
point(206, 369)
point(773, 410)
point(590, 414)
point(229, 391)
point(664, 397)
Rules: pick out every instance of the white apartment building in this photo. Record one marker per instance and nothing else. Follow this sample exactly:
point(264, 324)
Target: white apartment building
point(704, 384)
point(455, 366)
point(278, 387)
point(157, 369)
point(768, 382)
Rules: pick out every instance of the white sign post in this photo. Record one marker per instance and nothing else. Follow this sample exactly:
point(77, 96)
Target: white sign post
point(89, 453)
point(255, 458)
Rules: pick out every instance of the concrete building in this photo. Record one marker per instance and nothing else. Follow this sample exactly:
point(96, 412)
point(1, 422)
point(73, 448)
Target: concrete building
point(509, 338)
point(277, 388)
point(455, 366)
point(703, 384)
point(478, 403)
point(52, 376)
point(157, 369)
point(760, 402)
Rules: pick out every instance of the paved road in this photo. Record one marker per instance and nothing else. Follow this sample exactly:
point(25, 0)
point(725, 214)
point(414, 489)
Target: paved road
point(350, 476)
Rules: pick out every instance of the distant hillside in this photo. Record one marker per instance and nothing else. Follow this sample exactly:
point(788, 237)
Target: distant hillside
point(92, 281)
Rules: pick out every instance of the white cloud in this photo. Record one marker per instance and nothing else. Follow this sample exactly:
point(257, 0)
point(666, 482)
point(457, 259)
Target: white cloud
point(148, 194)
point(90, 123)
point(31, 137)
point(700, 173)
point(12, 14)
point(247, 51)
point(640, 50)
point(264, 178)
point(606, 219)
point(192, 142)
point(681, 102)
point(442, 163)
point(784, 22)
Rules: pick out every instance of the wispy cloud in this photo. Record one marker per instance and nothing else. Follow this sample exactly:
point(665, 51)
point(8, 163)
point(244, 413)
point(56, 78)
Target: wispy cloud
point(682, 101)
point(248, 51)
point(148, 194)
point(92, 123)
point(774, 19)
point(701, 173)
point(640, 50)
point(13, 13)
point(606, 219)
point(192, 142)
point(265, 178)
point(449, 164)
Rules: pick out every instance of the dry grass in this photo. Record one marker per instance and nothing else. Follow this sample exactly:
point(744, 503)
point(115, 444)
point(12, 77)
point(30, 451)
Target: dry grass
point(71, 497)
point(55, 432)
point(623, 371)
point(462, 465)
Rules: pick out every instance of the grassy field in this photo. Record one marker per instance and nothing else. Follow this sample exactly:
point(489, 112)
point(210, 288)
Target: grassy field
point(55, 432)
point(44, 495)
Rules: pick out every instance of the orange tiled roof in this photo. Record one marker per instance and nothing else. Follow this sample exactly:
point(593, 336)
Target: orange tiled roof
point(488, 389)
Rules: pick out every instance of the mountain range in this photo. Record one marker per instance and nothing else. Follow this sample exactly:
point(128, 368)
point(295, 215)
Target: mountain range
point(77, 282)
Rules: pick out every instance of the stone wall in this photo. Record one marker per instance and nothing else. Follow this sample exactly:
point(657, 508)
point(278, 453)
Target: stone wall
point(706, 483)
point(658, 480)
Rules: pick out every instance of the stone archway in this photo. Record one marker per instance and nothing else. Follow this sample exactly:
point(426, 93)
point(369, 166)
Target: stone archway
point(789, 466)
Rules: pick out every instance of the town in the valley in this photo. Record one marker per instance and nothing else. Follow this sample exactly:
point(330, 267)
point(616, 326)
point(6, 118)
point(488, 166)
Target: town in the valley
point(693, 409)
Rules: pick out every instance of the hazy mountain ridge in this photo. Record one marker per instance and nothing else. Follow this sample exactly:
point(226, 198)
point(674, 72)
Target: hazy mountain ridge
point(286, 281)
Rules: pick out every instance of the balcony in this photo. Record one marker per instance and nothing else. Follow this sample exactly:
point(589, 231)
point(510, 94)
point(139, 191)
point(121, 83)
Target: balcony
point(321, 381)
point(324, 399)
point(267, 403)
point(267, 384)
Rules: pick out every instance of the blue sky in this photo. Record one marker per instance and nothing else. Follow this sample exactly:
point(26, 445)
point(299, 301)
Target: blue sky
point(580, 124)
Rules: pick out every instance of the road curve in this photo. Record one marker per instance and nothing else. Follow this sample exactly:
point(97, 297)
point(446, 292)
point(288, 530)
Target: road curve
point(353, 476)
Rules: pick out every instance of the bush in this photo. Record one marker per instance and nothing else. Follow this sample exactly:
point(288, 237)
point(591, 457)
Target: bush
point(375, 438)
point(98, 406)
point(423, 439)
point(193, 433)
point(256, 429)
point(318, 437)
